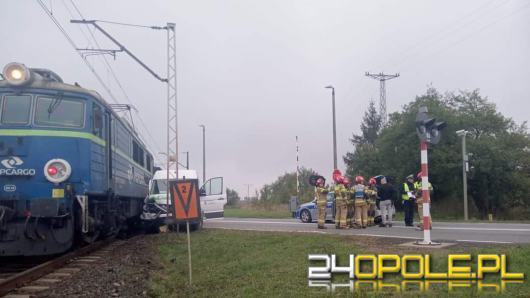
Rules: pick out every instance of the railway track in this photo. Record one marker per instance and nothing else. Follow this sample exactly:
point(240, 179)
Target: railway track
point(16, 276)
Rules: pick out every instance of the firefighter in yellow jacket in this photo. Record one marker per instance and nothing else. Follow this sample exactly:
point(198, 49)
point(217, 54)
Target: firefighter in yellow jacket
point(350, 215)
point(419, 200)
point(371, 193)
point(341, 192)
point(361, 206)
point(321, 193)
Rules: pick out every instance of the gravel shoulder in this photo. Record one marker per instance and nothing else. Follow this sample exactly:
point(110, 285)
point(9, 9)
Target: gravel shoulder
point(123, 271)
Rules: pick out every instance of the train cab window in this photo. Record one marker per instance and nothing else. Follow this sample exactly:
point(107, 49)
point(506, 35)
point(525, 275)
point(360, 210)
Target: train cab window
point(148, 163)
point(141, 157)
point(16, 109)
point(59, 112)
point(97, 121)
point(138, 154)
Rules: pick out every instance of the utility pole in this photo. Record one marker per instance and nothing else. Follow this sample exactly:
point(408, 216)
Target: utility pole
point(297, 171)
point(382, 78)
point(203, 153)
point(462, 133)
point(334, 126)
point(248, 191)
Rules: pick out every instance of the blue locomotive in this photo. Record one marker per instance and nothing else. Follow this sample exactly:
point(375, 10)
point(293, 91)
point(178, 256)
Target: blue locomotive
point(71, 169)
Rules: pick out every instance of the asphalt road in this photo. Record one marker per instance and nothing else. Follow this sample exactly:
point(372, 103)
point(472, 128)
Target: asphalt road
point(442, 231)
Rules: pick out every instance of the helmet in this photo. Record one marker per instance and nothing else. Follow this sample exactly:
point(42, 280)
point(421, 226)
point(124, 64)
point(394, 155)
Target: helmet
point(314, 180)
point(411, 176)
point(337, 176)
point(373, 181)
point(418, 176)
point(346, 181)
point(359, 179)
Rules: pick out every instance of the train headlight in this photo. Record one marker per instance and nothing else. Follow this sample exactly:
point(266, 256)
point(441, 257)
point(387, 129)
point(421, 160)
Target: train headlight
point(16, 74)
point(57, 170)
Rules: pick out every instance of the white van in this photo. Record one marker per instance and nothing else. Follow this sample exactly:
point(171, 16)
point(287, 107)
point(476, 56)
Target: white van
point(212, 196)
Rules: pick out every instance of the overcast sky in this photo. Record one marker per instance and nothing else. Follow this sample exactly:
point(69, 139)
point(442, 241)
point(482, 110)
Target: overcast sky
point(254, 71)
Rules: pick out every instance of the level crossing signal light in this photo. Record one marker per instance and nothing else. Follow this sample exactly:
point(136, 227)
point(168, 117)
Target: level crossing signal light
point(427, 128)
point(429, 131)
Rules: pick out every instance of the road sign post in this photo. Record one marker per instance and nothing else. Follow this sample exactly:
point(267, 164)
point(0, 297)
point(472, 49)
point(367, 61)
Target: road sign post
point(429, 131)
point(186, 203)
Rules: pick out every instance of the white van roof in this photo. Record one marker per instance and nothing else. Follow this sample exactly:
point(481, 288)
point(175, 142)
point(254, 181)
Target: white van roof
point(183, 174)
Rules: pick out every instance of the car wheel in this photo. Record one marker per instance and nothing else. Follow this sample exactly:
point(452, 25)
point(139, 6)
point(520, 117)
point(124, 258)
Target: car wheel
point(196, 226)
point(305, 216)
point(151, 228)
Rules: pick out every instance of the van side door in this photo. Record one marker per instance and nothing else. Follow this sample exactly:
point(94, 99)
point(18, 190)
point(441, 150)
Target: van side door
point(213, 197)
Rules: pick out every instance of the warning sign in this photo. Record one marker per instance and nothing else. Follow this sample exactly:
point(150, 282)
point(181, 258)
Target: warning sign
point(185, 199)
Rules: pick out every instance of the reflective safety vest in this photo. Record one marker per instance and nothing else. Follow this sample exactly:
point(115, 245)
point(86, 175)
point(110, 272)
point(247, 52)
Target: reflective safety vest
point(406, 189)
point(358, 191)
point(417, 186)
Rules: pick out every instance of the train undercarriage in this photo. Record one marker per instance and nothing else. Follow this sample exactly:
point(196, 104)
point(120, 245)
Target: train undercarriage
point(45, 227)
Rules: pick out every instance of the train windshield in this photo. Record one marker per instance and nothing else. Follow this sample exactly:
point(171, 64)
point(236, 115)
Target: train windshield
point(59, 112)
point(16, 109)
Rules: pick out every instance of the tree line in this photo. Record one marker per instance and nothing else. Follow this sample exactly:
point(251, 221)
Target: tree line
point(499, 172)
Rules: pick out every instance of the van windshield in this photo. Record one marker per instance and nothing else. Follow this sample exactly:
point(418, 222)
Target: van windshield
point(159, 187)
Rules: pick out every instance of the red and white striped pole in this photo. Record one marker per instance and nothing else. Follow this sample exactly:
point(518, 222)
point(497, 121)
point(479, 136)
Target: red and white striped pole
point(425, 195)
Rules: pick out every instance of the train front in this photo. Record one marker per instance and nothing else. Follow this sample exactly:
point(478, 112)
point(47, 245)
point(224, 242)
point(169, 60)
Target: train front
point(42, 143)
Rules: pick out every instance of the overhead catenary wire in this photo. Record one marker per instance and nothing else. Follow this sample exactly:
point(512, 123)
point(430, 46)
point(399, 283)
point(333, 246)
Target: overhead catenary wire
point(118, 82)
point(80, 29)
point(72, 43)
point(89, 65)
point(131, 25)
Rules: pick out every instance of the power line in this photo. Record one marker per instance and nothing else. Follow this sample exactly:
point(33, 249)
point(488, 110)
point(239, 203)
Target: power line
point(113, 74)
point(72, 43)
point(131, 25)
point(447, 31)
point(116, 78)
point(80, 29)
point(470, 34)
point(89, 65)
point(120, 86)
point(171, 80)
point(436, 37)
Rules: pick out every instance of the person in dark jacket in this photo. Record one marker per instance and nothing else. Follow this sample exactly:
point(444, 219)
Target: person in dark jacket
point(386, 194)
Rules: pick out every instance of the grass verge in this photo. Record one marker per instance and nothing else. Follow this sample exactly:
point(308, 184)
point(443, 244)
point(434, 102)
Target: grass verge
point(267, 264)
